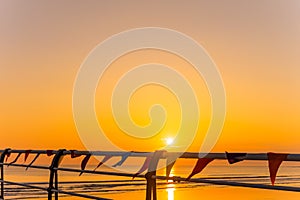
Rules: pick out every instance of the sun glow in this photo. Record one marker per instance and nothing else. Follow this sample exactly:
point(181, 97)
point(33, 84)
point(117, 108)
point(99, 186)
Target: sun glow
point(169, 141)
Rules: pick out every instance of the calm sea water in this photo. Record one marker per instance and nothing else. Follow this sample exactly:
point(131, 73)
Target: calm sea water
point(126, 188)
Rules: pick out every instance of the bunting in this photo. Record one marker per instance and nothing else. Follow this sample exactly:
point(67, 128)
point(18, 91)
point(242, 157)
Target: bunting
point(144, 167)
point(84, 162)
point(27, 152)
point(106, 158)
point(235, 157)
point(170, 163)
point(169, 169)
point(200, 165)
point(15, 160)
point(49, 152)
point(7, 156)
point(34, 159)
point(124, 157)
point(74, 154)
point(275, 161)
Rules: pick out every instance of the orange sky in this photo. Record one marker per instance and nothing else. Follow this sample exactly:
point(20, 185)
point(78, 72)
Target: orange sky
point(255, 45)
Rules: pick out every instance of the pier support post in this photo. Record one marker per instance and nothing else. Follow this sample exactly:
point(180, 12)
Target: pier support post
point(53, 179)
point(2, 157)
point(150, 175)
point(151, 183)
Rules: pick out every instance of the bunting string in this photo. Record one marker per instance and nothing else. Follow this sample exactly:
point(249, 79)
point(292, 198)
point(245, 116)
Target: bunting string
point(274, 161)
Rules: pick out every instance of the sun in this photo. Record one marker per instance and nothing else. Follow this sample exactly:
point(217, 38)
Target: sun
point(169, 141)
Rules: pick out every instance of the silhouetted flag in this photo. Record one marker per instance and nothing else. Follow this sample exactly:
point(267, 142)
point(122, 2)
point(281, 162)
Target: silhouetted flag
point(106, 158)
point(124, 157)
point(144, 167)
point(27, 152)
point(200, 165)
point(15, 160)
point(275, 160)
point(84, 162)
point(235, 157)
point(34, 159)
point(49, 152)
point(170, 163)
point(74, 154)
point(7, 156)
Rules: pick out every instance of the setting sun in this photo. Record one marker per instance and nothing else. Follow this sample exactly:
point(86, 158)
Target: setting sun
point(169, 141)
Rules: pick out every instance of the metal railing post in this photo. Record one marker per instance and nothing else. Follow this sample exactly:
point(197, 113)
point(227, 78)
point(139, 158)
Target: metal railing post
point(2, 157)
point(151, 175)
point(53, 174)
point(149, 185)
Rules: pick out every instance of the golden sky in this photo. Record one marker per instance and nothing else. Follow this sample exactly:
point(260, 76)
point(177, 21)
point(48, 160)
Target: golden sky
point(255, 45)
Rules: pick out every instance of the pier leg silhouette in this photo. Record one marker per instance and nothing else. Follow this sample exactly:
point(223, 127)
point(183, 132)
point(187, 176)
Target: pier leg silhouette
point(53, 180)
point(151, 175)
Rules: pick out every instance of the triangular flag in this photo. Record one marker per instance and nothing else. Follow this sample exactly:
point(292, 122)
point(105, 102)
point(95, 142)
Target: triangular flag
point(124, 157)
point(49, 152)
point(34, 159)
point(15, 160)
point(144, 167)
point(170, 163)
point(169, 168)
point(74, 154)
point(275, 161)
point(200, 165)
point(106, 158)
point(84, 162)
point(235, 157)
point(7, 156)
point(27, 152)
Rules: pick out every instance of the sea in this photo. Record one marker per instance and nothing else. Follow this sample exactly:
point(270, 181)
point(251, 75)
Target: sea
point(116, 187)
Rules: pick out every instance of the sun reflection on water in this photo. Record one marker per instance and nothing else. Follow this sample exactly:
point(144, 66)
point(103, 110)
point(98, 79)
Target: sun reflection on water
point(171, 187)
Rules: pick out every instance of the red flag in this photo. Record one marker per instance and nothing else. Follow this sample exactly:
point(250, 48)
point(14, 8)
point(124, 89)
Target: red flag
point(170, 163)
point(200, 165)
point(15, 160)
point(74, 154)
point(84, 162)
point(144, 167)
point(106, 158)
point(275, 161)
point(7, 156)
point(169, 168)
point(34, 159)
point(49, 152)
point(27, 152)
point(235, 157)
point(124, 157)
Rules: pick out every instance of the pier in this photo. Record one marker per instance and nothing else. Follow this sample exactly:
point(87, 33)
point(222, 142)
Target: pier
point(53, 191)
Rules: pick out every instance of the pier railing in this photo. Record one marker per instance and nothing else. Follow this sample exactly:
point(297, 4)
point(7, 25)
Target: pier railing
point(54, 191)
